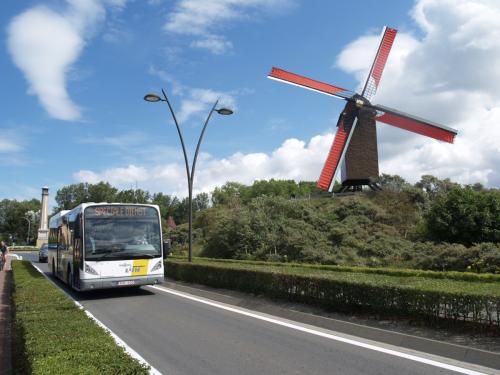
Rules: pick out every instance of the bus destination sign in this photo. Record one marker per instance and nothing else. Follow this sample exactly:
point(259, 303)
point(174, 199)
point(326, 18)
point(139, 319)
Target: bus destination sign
point(120, 211)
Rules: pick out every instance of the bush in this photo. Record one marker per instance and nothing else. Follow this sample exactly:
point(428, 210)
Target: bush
point(416, 297)
point(51, 335)
point(465, 216)
point(479, 258)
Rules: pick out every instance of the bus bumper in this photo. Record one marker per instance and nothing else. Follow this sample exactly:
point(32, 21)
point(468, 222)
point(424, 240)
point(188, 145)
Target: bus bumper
point(120, 282)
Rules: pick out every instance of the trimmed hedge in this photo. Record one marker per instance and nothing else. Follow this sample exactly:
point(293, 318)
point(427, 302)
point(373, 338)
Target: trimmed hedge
point(450, 275)
point(410, 296)
point(51, 335)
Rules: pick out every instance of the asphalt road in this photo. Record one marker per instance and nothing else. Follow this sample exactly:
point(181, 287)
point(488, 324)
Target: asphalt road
point(177, 335)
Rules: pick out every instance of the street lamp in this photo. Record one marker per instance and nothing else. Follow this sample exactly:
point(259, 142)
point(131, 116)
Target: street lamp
point(29, 228)
point(29, 216)
point(189, 170)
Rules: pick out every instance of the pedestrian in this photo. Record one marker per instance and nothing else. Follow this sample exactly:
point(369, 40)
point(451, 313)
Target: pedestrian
point(3, 250)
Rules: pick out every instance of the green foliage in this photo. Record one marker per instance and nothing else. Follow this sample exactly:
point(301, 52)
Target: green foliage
point(434, 224)
point(68, 197)
point(53, 336)
point(484, 257)
point(406, 295)
point(268, 227)
point(13, 219)
point(465, 216)
point(434, 187)
point(133, 196)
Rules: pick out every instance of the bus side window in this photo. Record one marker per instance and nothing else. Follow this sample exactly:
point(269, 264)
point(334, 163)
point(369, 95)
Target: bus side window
point(76, 226)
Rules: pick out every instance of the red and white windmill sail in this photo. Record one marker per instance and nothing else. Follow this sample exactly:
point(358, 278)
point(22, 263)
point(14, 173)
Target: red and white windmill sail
point(379, 113)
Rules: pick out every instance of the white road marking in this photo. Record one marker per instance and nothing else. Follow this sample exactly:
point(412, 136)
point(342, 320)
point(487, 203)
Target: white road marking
point(297, 327)
point(115, 337)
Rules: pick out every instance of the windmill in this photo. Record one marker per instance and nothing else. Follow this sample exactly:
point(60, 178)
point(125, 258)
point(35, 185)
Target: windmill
point(354, 148)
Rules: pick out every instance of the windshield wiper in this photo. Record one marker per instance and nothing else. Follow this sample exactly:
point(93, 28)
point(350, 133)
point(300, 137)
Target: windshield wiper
point(107, 253)
point(139, 256)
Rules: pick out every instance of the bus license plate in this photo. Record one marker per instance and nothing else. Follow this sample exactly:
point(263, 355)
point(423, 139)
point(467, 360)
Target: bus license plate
point(128, 282)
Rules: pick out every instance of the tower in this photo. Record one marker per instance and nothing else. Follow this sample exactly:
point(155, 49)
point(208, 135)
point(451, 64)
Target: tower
point(43, 230)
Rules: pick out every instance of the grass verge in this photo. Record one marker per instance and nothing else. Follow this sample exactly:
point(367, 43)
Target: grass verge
point(403, 294)
point(51, 335)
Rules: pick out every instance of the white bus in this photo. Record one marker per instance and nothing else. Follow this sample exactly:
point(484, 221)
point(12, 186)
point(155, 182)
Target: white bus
point(107, 245)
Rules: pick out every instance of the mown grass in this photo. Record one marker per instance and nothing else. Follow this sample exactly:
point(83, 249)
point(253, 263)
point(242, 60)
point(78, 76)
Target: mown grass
point(51, 335)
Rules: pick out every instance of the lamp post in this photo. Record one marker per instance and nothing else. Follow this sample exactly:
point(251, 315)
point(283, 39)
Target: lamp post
point(189, 170)
point(29, 229)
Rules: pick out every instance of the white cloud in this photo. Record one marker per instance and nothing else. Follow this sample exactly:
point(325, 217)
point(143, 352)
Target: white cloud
point(450, 76)
point(294, 159)
point(124, 177)
point(203, 19)
point(214, 43)
point(8, 145)
point(44, 44)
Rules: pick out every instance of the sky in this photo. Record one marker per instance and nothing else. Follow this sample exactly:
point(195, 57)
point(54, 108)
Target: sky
point(74, 74)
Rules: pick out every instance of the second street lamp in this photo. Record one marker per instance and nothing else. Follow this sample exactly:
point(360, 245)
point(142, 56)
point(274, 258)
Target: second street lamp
point(189, 170)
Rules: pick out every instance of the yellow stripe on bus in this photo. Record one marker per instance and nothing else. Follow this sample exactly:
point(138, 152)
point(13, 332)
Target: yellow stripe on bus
point(140, 267)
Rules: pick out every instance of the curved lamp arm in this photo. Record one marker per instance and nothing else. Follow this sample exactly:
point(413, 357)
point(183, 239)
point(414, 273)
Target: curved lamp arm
point(181, 138)
point(201, 138)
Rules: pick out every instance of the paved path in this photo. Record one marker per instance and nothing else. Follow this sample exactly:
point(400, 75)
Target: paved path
point(5, 319)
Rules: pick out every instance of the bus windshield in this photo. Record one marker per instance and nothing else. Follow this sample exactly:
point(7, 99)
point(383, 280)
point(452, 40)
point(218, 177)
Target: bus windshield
point(123, 232)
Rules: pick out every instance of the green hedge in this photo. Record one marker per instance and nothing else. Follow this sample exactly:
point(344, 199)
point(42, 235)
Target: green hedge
point(450, 275)
point(418, 297)
point(51, 335)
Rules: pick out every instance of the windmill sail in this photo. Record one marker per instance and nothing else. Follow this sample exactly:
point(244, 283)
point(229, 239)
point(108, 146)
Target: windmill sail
point(414, 124)
point(336, 154)
point(308, 83)
point(377, 68)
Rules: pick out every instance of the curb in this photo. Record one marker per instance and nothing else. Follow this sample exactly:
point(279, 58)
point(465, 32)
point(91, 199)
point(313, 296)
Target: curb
point(440, 348)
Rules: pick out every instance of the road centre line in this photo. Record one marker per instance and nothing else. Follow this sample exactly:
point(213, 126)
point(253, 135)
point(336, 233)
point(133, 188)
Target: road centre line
point(315, 332)
point(118, 340)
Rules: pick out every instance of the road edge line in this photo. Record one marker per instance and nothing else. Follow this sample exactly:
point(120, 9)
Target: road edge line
point(131, 352)
point(290, 324)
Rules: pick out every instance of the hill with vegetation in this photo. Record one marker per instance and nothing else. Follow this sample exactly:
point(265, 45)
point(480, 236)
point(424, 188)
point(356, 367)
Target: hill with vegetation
point(432, 225)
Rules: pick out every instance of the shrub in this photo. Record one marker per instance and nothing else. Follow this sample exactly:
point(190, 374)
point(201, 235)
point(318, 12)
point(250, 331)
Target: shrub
point(413, 296)
point(465, 216)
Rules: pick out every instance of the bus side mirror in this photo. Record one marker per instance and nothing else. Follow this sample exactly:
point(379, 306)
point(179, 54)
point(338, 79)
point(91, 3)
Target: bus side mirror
point(167, 249)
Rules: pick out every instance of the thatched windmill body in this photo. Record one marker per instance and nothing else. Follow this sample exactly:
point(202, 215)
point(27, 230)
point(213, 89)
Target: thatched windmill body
point(354, 149)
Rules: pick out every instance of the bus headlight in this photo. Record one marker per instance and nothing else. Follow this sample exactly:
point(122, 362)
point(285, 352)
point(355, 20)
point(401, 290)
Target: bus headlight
point(90, 270)
point(157, 266)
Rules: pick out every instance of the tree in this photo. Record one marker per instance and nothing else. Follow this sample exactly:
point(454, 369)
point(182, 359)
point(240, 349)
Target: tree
point(465, 216)
point(133, 196)
point(392, 182)
point(68, 197)
point(13, 216)
point(229, 193)
point(201, 202)
point(434, 187)
point(165, 202)
point(102, 192)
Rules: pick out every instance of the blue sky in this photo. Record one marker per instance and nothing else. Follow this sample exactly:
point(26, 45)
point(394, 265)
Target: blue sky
point(74, 73)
